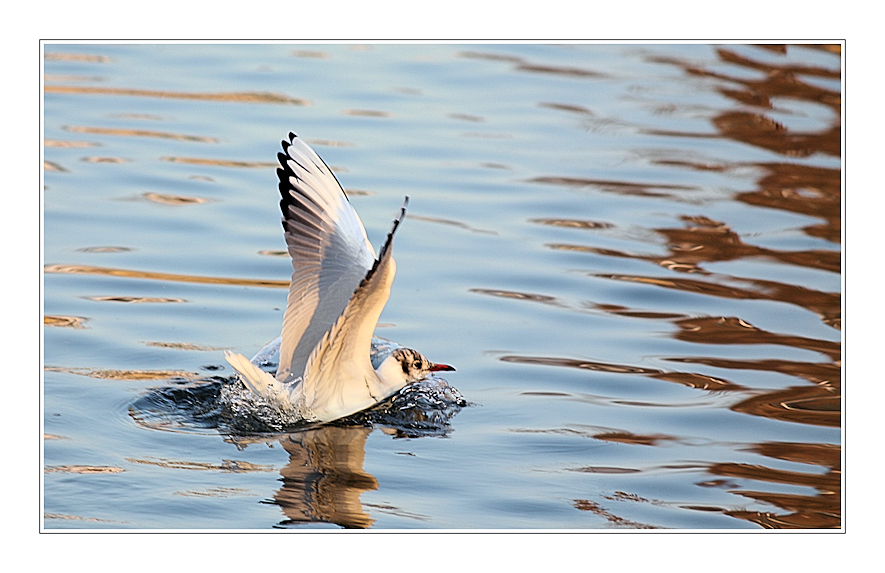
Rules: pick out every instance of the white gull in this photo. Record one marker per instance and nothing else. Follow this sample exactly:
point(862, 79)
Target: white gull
point(338, 290)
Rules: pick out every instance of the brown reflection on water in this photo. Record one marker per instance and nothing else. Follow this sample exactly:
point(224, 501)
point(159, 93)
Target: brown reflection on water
point(594, 507)
point(613, 186)
point(324, 478)
point(123, 374)
point(170, 199)
point(66, 321)
point(731, 330)
point(184, 346)
point(779, 81)
point(79, 469)
point(134, 299)
point(138, 133)
point(247, 97)
point(802, 189)
point(522, 65)
point(238, 466)
point(367, 113)
point(69, 57)
point(690, 379)
point(826, 305)
point(796, 186)
point(90, 270)
point(60, 143)
point(459, 224)
point(822, 509)
point(219, 162)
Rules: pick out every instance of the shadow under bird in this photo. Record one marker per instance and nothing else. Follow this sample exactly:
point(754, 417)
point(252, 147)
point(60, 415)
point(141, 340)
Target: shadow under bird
point(338, 290)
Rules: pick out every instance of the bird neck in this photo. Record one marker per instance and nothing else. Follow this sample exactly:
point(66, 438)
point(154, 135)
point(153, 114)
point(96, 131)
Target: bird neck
point(391, 375)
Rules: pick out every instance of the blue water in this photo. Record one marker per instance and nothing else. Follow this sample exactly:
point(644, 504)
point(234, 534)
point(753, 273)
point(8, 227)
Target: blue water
point(631, 254)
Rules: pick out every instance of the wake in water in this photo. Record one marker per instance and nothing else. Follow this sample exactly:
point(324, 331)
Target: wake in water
point(225, 405)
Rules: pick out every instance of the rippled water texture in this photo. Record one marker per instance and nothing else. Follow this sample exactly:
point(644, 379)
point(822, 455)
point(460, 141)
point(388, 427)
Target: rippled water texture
point(631, 254)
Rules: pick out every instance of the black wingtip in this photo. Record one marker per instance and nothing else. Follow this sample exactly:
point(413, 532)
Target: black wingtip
point(399, 219)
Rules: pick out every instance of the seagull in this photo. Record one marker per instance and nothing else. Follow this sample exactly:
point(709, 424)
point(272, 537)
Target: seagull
point(338, 290)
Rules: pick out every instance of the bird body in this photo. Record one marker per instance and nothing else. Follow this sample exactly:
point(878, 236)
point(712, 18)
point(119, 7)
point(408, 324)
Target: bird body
point(338, 290)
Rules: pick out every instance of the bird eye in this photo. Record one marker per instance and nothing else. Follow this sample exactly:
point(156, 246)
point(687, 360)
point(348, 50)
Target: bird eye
point(416, 365)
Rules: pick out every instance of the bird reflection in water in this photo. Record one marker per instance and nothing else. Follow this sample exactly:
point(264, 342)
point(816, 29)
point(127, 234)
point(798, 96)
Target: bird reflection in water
point(324, 478)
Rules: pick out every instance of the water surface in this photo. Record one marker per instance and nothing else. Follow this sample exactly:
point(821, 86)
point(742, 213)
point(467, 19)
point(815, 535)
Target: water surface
point(631, 253)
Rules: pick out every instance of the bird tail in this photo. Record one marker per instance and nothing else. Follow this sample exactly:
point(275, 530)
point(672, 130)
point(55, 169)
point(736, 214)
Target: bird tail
point(256, 379)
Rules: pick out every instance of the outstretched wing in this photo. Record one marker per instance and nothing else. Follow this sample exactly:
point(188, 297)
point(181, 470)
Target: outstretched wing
point(339, 379)
point(329, 248)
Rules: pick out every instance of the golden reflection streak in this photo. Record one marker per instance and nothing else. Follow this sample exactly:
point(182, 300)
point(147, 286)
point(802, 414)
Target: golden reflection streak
point(86, 269)
point(184, 346)
point(138, 133)
point(169, 199)
point(74, 518)
point(236, 466)
point(66, 321)
point(134, 299)
point(123, 374)
point(61, 143)
point(218, 162)
point(247, 97)
point(68, 57)
point(77, 469)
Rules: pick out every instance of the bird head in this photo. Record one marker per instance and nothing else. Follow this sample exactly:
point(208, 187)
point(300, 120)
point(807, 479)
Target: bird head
point(414, 366)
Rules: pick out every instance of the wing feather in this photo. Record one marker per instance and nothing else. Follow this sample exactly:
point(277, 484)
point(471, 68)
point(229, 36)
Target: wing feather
point(329, 248)
point(339, 379)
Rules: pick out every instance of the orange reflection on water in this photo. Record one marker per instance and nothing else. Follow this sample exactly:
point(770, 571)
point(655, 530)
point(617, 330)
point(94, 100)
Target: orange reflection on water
point(248, 97)
point(219, 162)
point(67, 321)
point(123, 374)
point(90, 270)
point(139, 133)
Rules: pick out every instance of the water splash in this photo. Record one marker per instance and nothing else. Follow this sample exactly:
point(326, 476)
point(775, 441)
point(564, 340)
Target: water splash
point(423, 408)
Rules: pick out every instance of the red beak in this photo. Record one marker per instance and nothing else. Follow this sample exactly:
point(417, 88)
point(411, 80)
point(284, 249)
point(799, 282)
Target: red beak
point(438, 367)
